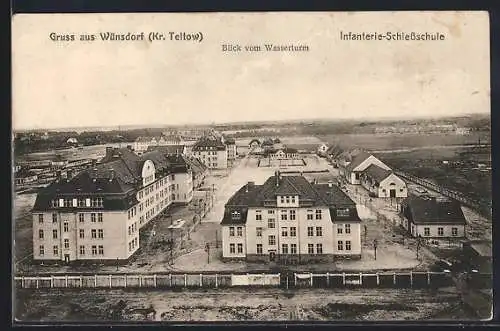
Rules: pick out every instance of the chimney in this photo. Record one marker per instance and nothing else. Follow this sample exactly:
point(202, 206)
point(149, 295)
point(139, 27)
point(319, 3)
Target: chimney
point(111, 174)
point(278, 177)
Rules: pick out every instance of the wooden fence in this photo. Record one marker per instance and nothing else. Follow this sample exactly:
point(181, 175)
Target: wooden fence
point(289, 280)
point(481, 207)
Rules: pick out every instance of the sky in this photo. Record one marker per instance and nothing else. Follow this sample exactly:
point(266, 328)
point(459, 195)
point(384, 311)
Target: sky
point(89, 84)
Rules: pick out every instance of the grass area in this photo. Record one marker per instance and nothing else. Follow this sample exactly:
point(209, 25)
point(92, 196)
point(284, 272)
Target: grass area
point(240, 305)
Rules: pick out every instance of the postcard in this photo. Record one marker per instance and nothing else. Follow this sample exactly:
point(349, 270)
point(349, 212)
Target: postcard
point(251, 167)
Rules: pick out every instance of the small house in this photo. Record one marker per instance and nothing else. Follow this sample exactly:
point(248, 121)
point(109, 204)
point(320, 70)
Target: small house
point(383, 183)
point(360, 162)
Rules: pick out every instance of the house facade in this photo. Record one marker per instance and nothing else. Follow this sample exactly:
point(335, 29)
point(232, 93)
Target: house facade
point(353, 170)
point(97, 214)
point(289, 220)
point(433, 217)
point(281, 154)
point(142, 144)
point(212, 152)
point(382, 183)
point(231, 150)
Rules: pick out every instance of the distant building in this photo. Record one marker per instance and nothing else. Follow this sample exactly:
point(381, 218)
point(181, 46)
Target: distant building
point(352, 170)
point(254, 143)
point(433, 218)
point(24, 176)
point(97, 214)
point(479, 253)
point(281, 154)
point(199, 170)
point(72, 141)
point(212, 152)
point(463, 131)
point(142, 144)
point(383, 183)
point(169, 149)
point(290, 220)
point(231, 150)
point(322, 149)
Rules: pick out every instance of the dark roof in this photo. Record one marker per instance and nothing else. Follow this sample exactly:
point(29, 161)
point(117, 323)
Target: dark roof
point(167, 149)
point(357, 160)
point(377, 173)
point(310, 195)
point(205, 143)
point(430, 210)
point(254, 141)
point(196, 165)
point(229, 141)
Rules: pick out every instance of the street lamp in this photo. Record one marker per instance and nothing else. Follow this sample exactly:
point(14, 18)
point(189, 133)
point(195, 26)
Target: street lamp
point(375, 244)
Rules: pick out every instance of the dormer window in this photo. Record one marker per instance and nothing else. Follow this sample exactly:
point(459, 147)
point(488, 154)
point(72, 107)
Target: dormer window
point(343, 212)
point(235, 215)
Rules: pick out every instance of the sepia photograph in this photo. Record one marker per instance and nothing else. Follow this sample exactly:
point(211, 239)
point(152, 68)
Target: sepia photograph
point(251, 167)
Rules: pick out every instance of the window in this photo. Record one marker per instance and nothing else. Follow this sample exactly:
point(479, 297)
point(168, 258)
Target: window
point(340, 245)
point(82, 250)
point(82, 233)
point(293, 248)
point(55, 250)
point(293, 199)
point(96, 202)
point(231, 231)
point(310, 215)
point(293, 231)
point(40, 218)
point(92, 217)
point(94, 250)
point(272, 240)
point(66, 243)
point(232, 248)
point(319, 231)
point(99, 217)
point(318, 214)
point(129, 230)
point(284, 215)
point(287, 199)
point(271, 223)
point(347, 228)
point(427, 231)
point(101, 250)
point(340, 228)
point(440, 231)
point(67, 203)
point(284, 232)
point(258, 215)
point(310, 248)
point(100, 233)
point(54, 218)
point(270, 211)
point(284, 248)
point(259, 248)
point(258, 232)
point(292, 215)
point(41, 250)
point(55, 203)
point(310, 231)
point(344, 212)
point(94, 233)
point(40, 234)
point(239, 231)
point(319, 248)
point(81, 202)
point(454, 232)
point(81, 218)
point(235, 215)
point(282, 199)
point(66, 227)
point(54, 234)
point(347, 245)
point(240, 248)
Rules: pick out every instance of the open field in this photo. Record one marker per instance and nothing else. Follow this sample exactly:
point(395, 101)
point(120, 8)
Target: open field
point(398, 141)
point(241, 305)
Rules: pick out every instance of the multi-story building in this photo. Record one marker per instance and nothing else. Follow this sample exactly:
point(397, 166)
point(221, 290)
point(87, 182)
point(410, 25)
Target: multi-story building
point(231, 150)
point(382, 183)
point(290, 219)
point(97, 214)
point(212, 152)
point(142, 144)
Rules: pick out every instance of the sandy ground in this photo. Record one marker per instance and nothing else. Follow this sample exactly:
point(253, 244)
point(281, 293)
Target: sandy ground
point(241, 305)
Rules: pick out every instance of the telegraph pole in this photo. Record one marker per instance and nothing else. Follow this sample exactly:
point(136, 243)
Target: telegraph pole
point(207, 249)
point(375, 244)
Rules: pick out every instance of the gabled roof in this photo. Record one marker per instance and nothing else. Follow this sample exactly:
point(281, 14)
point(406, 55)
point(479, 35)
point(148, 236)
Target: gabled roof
point(357, 160)
point(167, 149)
point(205, 142)
point(429, 210)
point(254, 141)
point(377, 173)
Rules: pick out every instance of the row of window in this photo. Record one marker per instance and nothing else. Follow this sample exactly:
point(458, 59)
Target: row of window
point(133, 244)
point(288, 199)
point(157, 185)
point(132, 228)
point(78, 202)
point(94, 217)
point(427, 231)
point(311, 215)
point(95, 249)
point(94, 233)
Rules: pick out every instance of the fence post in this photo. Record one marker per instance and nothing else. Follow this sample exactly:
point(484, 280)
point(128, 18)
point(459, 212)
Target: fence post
point(311, 279)
point(125, 280)
point(140, 280)
point(95, 280)
point(110, 285)
point(170, 279)
point(36, 282)
point(23, 282)
point(81, 281)
point(294, 279)
point(51, 281)
point(185, 280)
point(154, 280)
point(216, 285)
point(378, 279)
point(411, 278)
point(201, 280)
point(343, 278)
point(360, 278)
point(328, 279)
point(428, 278)
point(394, 278)
point(66, 281)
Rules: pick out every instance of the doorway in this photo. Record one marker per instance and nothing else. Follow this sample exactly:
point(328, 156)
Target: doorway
point(392, 193)
point(66, 258)
point(272, 256)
